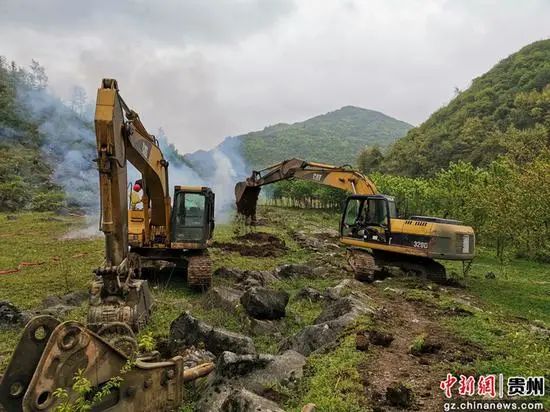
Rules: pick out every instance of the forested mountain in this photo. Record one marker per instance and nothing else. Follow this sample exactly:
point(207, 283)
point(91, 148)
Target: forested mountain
point(509, 104)
point(43, 145)
point(335, 137)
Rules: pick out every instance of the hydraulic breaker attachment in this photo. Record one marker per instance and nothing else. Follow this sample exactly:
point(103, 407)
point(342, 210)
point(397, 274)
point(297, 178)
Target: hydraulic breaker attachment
point(117, 296)
point(50, 355)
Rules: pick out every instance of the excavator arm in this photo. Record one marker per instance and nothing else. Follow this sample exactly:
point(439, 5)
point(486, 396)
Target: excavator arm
point(340, 177)
point(121, 137)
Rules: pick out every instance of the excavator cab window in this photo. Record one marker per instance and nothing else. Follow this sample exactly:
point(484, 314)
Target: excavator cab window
point(376, 212)
point(192, 212)
point(351, 216)
point(392, 208)
point(192, 215)
point(368, 218)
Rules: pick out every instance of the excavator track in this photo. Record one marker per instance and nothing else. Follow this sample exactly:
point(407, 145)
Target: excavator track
point(427, 268)
point(199, 270)
point(436, 272)
point(363, 264)
point(366, 264)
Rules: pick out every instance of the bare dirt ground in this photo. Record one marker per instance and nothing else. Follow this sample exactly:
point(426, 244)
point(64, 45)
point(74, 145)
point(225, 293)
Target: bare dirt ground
point(420, 355)
point(256, 244)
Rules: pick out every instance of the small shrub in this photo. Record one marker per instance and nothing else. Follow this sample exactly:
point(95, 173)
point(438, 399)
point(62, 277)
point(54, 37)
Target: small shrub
point(146, 342)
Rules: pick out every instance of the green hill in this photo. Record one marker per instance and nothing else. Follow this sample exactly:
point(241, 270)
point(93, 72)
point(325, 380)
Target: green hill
point(335, 137)
point(509, 103)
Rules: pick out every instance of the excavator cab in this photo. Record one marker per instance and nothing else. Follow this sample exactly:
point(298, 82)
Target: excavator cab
point(192, 217)
point(368, 218)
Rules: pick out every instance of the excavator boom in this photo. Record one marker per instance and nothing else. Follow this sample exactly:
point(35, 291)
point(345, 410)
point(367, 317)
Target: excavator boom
point(341, 177)
point(121, 137)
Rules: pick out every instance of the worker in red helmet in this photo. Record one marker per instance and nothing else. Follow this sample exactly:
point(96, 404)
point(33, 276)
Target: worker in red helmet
point(136, 195)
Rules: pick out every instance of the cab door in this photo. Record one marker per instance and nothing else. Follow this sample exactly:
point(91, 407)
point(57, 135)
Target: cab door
point(367, 218)
point(189, 217)
point(350, 218)
point(376, 224)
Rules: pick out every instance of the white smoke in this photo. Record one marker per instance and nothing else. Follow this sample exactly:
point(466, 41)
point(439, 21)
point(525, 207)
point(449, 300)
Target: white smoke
point(89, 231)
point(219, 169)
point(223, 184)
point(8, 133)
point(69, 147)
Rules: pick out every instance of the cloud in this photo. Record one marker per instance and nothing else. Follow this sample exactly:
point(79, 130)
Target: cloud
point(166, 21)
point(207, 69)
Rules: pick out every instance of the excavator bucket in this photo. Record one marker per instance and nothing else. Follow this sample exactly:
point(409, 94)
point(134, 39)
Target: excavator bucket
point(246, 199)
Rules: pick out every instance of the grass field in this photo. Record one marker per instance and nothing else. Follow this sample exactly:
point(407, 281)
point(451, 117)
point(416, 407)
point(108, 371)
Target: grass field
point(514, 307)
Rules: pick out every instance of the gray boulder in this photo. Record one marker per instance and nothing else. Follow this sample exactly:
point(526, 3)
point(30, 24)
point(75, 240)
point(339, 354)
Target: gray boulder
point(311, 294)
point(11, 315)
point(231, 365)
point(242, 400)
point(246, 279)
point(70, 299)
point(194, 357)
point(265, 327)
point(255, 278)
point(344, 310)
point(312, 338)
point(344, 288)
point(321, 272)
point(190, 331)
point(57, 311)
point(60, 306)
point(258, 374)
point(225, 272)
point(263, 303)
point(223, 297)
point(75, 298)
point(293, 270)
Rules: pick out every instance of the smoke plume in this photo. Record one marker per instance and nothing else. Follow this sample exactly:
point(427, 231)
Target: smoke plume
point(69, 147)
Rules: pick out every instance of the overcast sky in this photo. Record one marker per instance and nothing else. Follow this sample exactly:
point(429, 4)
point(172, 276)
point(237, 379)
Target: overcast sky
point(206, 69)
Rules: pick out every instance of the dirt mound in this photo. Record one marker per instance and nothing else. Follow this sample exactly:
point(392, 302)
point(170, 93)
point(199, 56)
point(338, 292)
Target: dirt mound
point(261, 237)
point(256, 244)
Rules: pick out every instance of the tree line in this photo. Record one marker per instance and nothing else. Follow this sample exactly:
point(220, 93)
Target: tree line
point(506, 202)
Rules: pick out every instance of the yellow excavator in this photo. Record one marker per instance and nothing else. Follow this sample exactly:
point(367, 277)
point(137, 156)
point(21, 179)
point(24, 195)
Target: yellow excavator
point(51, 353)
point(376, 237)
point(158, 234)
